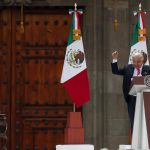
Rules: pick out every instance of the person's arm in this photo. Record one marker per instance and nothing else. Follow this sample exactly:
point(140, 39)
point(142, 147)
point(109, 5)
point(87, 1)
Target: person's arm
point(114, 65)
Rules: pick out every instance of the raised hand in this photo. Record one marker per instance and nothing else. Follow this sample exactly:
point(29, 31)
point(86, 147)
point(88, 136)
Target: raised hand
point(115, 55)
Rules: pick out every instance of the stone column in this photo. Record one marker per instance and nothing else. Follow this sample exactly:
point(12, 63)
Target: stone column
point(116, 121)
point(93, 112)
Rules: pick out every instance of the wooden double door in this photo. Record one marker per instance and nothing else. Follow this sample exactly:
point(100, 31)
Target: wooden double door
point(31, 95)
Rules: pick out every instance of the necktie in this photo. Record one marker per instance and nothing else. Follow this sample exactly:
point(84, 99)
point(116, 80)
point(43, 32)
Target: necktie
point(138, 71)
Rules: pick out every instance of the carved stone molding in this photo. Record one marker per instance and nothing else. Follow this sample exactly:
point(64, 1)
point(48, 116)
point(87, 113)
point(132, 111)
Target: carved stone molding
point(33, 2)
point(49, 2)
point(6, 2)
point(41, 3)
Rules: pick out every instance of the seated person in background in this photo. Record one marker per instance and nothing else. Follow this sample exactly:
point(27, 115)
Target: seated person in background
point(137, 68)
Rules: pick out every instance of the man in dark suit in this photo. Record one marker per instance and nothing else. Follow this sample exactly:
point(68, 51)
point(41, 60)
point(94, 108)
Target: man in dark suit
point(137, 68)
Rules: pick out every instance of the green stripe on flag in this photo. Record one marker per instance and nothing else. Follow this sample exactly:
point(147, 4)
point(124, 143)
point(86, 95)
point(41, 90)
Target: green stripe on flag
point(135, 35)
point(70, 39)
point(135, 32)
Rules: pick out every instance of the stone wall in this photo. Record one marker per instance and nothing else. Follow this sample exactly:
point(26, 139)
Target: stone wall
point(106, 119)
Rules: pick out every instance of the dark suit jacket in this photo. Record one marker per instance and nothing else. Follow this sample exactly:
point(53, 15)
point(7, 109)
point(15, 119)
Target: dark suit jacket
point(127, 73)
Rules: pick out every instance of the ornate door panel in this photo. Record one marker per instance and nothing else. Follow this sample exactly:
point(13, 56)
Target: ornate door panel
point(40, 103)
point(31, 63)
point(5, 70)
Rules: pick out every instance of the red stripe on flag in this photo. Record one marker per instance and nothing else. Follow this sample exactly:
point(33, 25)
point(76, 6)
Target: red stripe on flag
point(78, 88)
point(141, 13)
point(78, 22)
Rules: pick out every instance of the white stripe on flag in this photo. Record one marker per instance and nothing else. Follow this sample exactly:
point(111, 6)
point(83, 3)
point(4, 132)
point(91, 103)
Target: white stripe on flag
point(76, 21)
point(68, 71)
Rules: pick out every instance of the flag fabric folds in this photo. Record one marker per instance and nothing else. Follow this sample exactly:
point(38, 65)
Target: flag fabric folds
point(138, 43)
point(74, 74)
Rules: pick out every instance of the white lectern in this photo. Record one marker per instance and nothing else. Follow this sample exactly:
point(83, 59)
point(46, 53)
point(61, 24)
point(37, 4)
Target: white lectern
point(75, 147)
point(141, 128)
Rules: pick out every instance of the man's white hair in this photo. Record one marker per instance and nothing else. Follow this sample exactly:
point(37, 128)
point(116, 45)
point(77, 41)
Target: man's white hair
point(137, 54)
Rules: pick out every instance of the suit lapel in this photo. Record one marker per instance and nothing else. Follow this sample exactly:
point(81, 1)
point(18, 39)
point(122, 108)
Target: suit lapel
point(144, 71)
point(131, 70)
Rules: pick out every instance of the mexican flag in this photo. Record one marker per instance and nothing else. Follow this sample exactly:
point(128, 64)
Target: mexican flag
point(74, 74)
point(138, 43)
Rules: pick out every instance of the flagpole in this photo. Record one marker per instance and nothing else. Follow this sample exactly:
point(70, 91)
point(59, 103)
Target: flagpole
point(74, 108)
